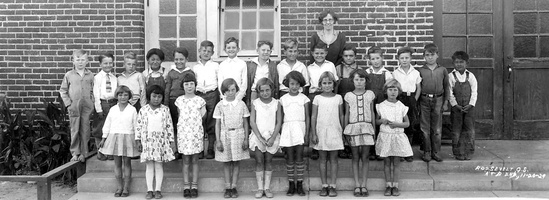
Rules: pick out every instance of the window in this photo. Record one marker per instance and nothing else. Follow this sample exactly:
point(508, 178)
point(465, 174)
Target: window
point(249, 21)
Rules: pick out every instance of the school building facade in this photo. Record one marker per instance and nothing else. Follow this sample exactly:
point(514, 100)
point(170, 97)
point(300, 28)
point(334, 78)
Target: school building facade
point(507, 40)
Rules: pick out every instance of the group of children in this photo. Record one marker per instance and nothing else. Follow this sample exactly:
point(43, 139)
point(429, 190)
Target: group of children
point(367, 109)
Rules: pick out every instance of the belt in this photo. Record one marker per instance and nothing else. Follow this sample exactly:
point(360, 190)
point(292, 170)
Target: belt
point(109, 100)
point(198, 92)
point(431, 95)
point(408, 94)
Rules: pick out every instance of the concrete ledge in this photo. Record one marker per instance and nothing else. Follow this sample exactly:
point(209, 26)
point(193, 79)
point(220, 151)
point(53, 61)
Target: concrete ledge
point(469, 182)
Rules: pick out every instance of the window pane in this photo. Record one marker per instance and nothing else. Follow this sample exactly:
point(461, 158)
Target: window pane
point(525, 23)
point(250, 42)
point(167, 27)
point(249, 20)
point(232, 20)
point(525, 5)
point(232, 4)
point(524, 47)
point(190, 45)
point(167, 6)
point(231, 34)
point(266, 35)
point(453, 24)
point(187, 7)
point(453, 44)
point(544, 26)
point(543, 5)
point(544, 46)
point(167, 46)
point(249, 4)
point(266, 4)
point(453, 5)
point(187, 28)
point(480, 24)
point(480, 5)
point(480, 47)
point(266, 20)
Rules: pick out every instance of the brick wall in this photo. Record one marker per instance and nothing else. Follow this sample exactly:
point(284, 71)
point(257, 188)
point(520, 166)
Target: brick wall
point(386, 23)
point(37, 38)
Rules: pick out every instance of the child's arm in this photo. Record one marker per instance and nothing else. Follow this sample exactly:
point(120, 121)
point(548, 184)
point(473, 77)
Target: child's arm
point(314, 137)
point(418, 90)
point(139, 129)
point(106, 128)
point(404, 124)
point(373, 115)
point(341, 116)
point(244, 77)
point(64, 91)
point(278, 126)
point(307, 122)
point(167, 90)
point(143, 93)
point(446, 89)
point(253, 124)
point(96, 95)
point(347, 113)
point(219, 141)
point(246, 129)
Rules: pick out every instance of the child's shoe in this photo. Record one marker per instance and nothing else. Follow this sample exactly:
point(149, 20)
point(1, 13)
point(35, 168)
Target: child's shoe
point(187, 193)
point(357, 192)
point(194, 193)
point(268, 193)
point(395, 191)
point(365, 192)
point(211, 154)
point(149, 195)
point(259, 194)
point(426, 156)
point(460, 157)
point(332, 192)
point(234, 193)
point(388, 191)
point(436, 157)
point(158, 195)
point(228, 193)
point(323, 192)
point(467, 157)
point(291, 189)
point(409, 159)
point(299, 188)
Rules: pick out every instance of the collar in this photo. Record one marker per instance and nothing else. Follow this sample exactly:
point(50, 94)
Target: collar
point(200, 63)
point(457, 72)
point(353, 65)
point(427, 67)
point(412, 68)
point(177, 70)
point(256, 60)
point(231, 103)
point(320, 34)
point(314, 63)
point(124, 74)
point(86, 71)
point(372, 70)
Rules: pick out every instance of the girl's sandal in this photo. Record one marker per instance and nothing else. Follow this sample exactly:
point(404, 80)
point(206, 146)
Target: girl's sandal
point(365, 192)
point(118, 193)
point(125, 193)
point(357, 192)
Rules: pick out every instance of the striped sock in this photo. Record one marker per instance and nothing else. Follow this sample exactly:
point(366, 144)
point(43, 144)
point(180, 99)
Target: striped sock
point(194, 185)
point(186, 185)
point(300, 168)
point(290, 170)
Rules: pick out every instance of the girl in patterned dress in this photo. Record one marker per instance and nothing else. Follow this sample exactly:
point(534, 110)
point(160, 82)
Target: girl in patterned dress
point(295, 130)
point(326, 122)
point(231, 130)
point(392, 143)
point(154, 138)
point(119, 139)
point(191, 109)
point(266, 121)
point(359, 128)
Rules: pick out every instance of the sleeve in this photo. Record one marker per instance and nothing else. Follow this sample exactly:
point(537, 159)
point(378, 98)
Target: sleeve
point(169, 124)
point(315, 100)
point(143, 93)
point(107, 126)
point(97, 93)
point(333, 70)
point(141, 127)
point(178, 103)
point(167, 89)
point(217, 114)
point(246, 112)
point(451, 97)
point(378, 110)
point(474, 89)
point(418, 79)
point(404, 111)
point(134, 119)
point(64, 90)
point(370, 95)
point(305, 99)
point(347, 97)
point(339, 99)
point(244, 84)
point(202, 106)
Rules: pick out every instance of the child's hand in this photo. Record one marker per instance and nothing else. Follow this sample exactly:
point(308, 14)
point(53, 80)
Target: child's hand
point(219, 146)
point(173, 147)
point(245, 144)
point(314, 139)
point(271, 141)
point(458, 107)
point(139, 146)
point(102, 143)
point(466, 108)
point(384, 121)
point(306, 140)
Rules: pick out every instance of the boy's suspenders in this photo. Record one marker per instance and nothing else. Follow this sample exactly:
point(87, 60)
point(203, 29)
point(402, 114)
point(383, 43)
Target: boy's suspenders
point(466, 76)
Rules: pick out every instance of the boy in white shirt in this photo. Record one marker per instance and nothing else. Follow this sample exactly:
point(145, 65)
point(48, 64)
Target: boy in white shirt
point(233, 67)
point(290, 63)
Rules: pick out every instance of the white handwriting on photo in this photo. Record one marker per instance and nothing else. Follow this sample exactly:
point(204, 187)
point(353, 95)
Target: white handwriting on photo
point(510, 172)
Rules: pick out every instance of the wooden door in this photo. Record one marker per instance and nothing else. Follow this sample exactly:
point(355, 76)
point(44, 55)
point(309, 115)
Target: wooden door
point(526, 74)
point(475, 26)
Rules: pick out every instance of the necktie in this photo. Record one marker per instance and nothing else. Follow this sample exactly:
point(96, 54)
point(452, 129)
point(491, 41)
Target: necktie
point(109, 88)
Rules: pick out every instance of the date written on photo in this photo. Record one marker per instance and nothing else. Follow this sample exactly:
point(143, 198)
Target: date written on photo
point(510, 172)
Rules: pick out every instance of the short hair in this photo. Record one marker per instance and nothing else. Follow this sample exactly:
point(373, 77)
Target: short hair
point(289, 43)
point(227, 83)
point(231, 39)
point(295, 75)
point(265, 81)
point(348, 47)
point(431, 48)
point(375, 49)
point(130, 55)
point(121, 89)
point(154, 89)
point(181, 50)
point(206, 43)
point(405, 49)
point(460, 55)
point(321, 45)
point(79, 52)
point(155, 51)
point(265, 42)
point(361, 73)
point(188, 76)
point(393, 83)
point(325, 13)
point(328, 75)
point(105, 55)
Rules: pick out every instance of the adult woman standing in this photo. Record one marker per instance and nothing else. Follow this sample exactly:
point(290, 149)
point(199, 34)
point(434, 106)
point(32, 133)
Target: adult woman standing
point(334, 40)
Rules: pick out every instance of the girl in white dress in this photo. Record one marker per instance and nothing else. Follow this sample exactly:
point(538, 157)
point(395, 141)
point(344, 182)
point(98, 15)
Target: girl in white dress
point(119, 139)
point(359, 128)
point(326, 130)
point(154, 138)
point(191, 109)
point(266, 121)
point(392, 143)
point(295, 130)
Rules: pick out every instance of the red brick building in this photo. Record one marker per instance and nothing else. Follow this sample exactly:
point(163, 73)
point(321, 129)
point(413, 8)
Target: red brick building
point(508, 42)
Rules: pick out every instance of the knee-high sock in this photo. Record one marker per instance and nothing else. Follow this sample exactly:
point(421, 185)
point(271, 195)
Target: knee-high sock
point(300, 169)
point(158, 175)
point(290, 170)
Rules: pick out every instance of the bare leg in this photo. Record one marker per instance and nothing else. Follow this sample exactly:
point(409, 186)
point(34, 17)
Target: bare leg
point(259, 160)
point(323, 162)
point(236, 171)
point(227, 172)
point(396, 169)
point(127, 172)
point(194, 160)
point(356, 159)
point(387, 169)
point(186, 164)
point(333, 164)
point(365, 164)
point(118, 172)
